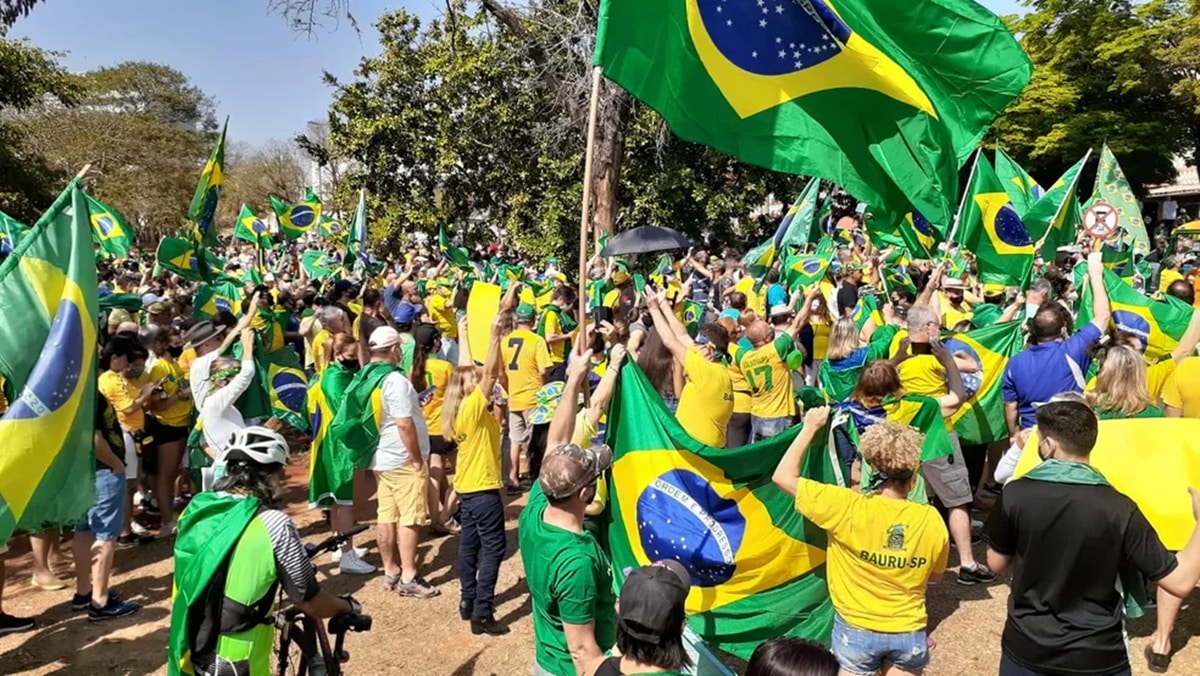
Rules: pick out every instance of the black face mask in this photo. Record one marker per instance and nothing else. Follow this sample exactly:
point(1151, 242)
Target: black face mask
point(175, 350)
point(349, 363)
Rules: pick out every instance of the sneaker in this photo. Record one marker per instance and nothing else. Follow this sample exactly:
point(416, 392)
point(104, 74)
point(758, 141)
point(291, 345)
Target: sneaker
point(81, 602)
point(358, 551)
point(487, 625)
point(417, 588)
point(131, 540)
point(15, 625)
point(137, 528)
point(977, 575)
point(113, 609)
point(351, 564)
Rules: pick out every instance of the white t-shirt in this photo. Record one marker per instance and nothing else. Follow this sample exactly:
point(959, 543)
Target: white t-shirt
point(400, 400)
point(198, 377)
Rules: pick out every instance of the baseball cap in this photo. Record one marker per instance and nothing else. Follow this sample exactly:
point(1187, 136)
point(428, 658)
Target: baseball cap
point(158, 308)
point(406, 312)
point(652, 601)
point(781, 310)
point(570, 467)
point(525, 312)
point(383, 338)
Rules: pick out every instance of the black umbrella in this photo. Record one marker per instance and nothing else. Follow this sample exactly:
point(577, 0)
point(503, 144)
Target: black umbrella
point(645, 239)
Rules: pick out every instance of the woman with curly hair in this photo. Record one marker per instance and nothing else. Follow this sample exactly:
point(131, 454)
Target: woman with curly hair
point(883, 549)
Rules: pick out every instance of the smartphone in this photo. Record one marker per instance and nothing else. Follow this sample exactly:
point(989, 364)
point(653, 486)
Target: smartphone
point(920, 348)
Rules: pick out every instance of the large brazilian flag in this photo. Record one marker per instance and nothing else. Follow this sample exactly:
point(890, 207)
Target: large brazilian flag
point(990, 227)
point(883, 97)
point(981, 418)
point(48, 360)
point(757, 566)
point(1159, 323)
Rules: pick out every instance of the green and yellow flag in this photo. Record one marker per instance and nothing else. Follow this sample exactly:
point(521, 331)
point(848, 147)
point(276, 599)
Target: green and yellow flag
point(1022, 190)
point(456, 255)
point(297, 219)
point(918, 236)
point(318, 264)
point(1054, 218)
point(794, 230)
point(1159, 323)
point(981, 419)
point(757, 567)
point(48, 366)
point(215, 297)
point(11, 232)
point(1112, 187)
point(853, 91)
point(354, 432)
point(802, 271)
point(356, 237)
point(203, 209)
point(251, 228)
point(990, 227)
point(109, 230)
point(180, 257)
point(326, 469)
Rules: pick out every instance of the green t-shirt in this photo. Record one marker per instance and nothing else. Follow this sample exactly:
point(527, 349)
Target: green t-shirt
point(1148, 412)
point(570, 580)
point(408, 346)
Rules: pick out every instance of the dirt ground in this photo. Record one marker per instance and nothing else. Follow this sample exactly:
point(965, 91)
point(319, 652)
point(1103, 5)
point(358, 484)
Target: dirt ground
point(426, 637)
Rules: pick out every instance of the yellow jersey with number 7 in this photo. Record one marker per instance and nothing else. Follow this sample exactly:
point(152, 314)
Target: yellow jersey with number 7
point(525, 356)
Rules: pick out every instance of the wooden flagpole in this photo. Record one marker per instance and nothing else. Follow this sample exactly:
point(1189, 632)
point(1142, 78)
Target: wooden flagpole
point(585, 213)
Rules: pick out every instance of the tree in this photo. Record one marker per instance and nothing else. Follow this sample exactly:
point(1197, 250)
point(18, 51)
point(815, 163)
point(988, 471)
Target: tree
point(27, 76)
point(145, 130)
point(254, 173)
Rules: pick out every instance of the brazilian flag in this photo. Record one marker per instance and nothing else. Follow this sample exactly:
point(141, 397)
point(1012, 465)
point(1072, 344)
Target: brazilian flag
point(757, 566)
point(990, 226)
point(109, 230)
point(215, 297)
point(693, 313)
point(883, 229)
point(866, 309)
point(252, 229)
point(794, 230)
point(981, 418)
point(180, 257)
point(203, 209)
point(456, 255)
point(48, 360)
point(1055, 217)
point(11, 232)
point(326, 468)
point(1159, 323)
point(898, 279)
point(1112, 187)
point(1022, 190)
point(297, 219)
point(884, 98)
point(354, 431)
point(918, 235)
point(319, 264)
point(924, 414)
point(802, 271)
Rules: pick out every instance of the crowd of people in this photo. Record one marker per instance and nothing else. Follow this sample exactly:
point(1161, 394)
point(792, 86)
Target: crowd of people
point(401, 406)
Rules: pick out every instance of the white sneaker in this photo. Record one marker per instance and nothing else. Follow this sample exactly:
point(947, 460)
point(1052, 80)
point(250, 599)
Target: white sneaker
point(358, 551)
point(352, 565)
point(137, 528)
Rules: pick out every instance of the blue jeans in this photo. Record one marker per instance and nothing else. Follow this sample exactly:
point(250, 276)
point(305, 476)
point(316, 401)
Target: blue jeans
point(481, 547)
point(1010, 668)
point(863, 652)
point(765, 428)
point(106, 518)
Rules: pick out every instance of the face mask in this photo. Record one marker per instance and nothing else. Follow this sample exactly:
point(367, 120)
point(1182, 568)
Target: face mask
point(175, 350)
point(1031, 309)
point(135, 372)
point(349, 363)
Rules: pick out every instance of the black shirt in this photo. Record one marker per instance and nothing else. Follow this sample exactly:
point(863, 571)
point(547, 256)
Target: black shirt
point(1065, 613)
point(109, 427)
point(847, 297)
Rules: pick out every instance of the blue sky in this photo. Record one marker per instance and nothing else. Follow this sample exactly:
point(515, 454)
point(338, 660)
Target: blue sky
point(266, 78)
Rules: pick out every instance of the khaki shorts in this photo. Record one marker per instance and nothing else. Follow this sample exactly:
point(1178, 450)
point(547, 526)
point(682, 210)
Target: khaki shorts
point(519, 429)
point(402, 498)
point(947, 478)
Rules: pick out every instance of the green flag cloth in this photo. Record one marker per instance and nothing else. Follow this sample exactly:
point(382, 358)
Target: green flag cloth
point(109, 230)
point(330, 228)
point(883, 230)
point(280, 387)
point(130, 302)
point(793, 231)
point(918, 236)
point(1119, 260)
point(327, 469)
point(1022, 190)
point(209, 529)
point(860, 96)
point(356, 237)
point(1055, 217)
point(1112, 187)
point(355, 429)
point(11, 232)
point(839, 377)
point(693, 313)
point(456, 255)
point(895, 278)
point(318, 264)
point(48, 370)
point(203, 209)
point(251, 228)
point(981, 419)
point(757, 566)
point(216, 297)
point(1158, 323)
point(297, 219)
point(866, 309)
point(923, 414)
point(180, 257)
point(990, 227)
point(802, 271)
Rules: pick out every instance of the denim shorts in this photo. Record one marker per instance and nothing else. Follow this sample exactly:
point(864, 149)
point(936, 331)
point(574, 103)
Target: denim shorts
point(864, 652)
point(106, 518)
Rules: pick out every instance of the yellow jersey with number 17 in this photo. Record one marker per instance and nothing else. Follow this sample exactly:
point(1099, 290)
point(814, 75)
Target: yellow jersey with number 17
point(765, 369)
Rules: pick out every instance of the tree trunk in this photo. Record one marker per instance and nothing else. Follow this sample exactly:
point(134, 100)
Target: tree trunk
point(616, 108)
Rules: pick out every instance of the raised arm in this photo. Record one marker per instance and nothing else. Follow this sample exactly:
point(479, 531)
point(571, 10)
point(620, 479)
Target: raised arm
point(1101, 308)
point(491, 363)
point(1191, 336)
point(562, 426)
point(787, 473)
point(608, 384)
point(672, 332)
point(958, 393)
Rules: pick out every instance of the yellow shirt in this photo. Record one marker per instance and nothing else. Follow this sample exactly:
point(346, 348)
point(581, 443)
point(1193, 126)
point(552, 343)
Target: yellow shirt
point(178, 413)
point(442, 314)
point(186, 358)
point(741, 388)
point(821, 331)
point(1156, 379)
point(881, 553)
point(951, 315)
point(706, 403)
point(320, 359)
point(525, 357)
point(1182, 390)
point(1166, 278)
point(551, 326)
point(478, 437)
point(923, 374)
point(121, 393)
point(770, 381)
point(437, 376)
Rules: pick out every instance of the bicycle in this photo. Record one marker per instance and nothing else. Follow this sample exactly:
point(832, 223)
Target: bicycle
point(310, 635)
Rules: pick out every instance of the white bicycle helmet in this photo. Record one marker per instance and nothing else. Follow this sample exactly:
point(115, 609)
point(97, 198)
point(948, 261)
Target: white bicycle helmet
point(259, 445)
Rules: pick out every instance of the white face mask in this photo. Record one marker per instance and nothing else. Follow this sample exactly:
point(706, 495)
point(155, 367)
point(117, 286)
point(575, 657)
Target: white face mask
point(1031, 309)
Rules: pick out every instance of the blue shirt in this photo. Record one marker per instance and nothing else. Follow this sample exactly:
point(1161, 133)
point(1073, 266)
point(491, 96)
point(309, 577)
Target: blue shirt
point(391, 299)
point(1042, 371)
point(776, 295)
